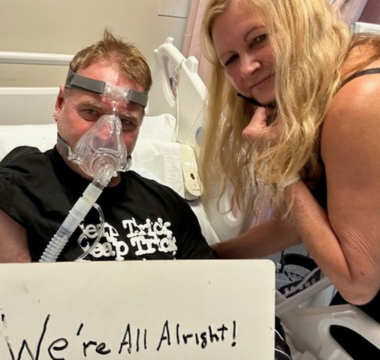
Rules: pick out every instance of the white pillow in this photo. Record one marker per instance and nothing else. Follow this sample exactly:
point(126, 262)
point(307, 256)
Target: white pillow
point(44, 136)
point(161, 127)
point(159, 160)
point(41, 136)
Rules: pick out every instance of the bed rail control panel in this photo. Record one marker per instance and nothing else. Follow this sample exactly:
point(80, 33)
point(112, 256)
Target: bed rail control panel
point(193, 185)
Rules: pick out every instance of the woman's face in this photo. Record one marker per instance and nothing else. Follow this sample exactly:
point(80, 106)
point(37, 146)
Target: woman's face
point(241, 43)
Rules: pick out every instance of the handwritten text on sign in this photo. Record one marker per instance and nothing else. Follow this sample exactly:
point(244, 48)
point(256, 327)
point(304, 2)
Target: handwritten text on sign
point(134, 339)
point(124, 310)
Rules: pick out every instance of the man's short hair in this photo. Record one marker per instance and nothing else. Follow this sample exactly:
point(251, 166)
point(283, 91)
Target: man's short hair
point(130, 59)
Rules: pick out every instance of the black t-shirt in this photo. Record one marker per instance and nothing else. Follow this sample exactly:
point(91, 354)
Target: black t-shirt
point(142, 218)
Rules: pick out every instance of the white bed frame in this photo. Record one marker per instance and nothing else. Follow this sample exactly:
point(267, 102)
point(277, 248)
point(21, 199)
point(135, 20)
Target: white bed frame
point(178, 90)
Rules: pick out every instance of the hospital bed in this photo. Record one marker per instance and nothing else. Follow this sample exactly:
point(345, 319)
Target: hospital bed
point(168, 138)
point(167, 152)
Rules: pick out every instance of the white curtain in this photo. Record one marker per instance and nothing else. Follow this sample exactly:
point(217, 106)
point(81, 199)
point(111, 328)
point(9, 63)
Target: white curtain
point(351, 9)
point(191, 41)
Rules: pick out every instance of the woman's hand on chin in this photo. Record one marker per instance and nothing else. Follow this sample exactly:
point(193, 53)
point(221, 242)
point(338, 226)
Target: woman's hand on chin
point(259, 130)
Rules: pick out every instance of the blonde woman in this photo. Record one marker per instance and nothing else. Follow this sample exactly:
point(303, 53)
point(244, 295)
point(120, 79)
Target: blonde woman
point(294, 105)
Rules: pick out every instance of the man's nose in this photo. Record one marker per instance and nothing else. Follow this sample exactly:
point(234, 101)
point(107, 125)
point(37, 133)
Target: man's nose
point(249, 64)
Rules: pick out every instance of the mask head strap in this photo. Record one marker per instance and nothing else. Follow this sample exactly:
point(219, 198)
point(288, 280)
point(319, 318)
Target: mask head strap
point(73, 80)
point(64, 147)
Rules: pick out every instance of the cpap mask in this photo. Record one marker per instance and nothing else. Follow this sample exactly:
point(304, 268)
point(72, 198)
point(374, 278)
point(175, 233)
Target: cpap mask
point(101, 148)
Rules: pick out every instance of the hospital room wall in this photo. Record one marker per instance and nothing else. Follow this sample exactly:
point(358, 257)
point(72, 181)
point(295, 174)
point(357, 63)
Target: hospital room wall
point(371, 12)
point(66, 26)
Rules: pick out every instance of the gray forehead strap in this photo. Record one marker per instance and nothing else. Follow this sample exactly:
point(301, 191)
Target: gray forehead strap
point(74, 80)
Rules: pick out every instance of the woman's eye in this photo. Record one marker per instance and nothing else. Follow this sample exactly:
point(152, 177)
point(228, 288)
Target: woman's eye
point(259, 39)
point(230, 60)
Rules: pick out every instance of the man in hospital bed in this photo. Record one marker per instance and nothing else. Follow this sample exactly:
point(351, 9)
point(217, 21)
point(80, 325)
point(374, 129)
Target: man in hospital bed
point(106, 88)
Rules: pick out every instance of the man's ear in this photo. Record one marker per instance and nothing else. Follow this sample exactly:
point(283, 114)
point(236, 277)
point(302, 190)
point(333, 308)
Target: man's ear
point(59, 102)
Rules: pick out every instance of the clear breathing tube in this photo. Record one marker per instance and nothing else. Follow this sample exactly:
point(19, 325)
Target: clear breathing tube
point(76, 215)
point(100, 233)
point(101, 153)
point(283, 305)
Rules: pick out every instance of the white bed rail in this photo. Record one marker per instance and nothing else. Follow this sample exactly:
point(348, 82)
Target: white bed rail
point(29, 105)
point(177, 89)
point(29, 58)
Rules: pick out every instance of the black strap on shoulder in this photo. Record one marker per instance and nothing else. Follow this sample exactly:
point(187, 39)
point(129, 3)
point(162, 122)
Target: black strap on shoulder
point(361, 73)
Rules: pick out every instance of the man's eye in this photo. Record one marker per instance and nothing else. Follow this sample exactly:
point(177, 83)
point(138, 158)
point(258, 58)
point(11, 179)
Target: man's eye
point(90, 114)
point(128, 124)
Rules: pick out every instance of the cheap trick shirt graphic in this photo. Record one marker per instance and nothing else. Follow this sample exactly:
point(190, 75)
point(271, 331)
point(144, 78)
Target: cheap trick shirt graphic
point(142, 218)
point(134, 240)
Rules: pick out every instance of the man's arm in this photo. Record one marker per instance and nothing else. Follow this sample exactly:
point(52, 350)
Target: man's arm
point(13, 241)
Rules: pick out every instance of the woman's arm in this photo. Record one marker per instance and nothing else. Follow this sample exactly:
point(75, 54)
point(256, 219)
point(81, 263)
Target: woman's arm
point(268, 237)
point(261, 240)
point(13, 241)
point(345, 241)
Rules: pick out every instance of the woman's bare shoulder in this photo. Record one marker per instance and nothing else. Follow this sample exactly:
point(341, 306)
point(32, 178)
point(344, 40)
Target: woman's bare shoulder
point(358, 99)
point(351, 127)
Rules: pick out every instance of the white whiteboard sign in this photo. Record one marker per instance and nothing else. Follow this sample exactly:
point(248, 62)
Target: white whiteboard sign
point(156, 310)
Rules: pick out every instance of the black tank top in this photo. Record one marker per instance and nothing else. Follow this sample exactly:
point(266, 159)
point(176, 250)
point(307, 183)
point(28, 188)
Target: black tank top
point(361, 73)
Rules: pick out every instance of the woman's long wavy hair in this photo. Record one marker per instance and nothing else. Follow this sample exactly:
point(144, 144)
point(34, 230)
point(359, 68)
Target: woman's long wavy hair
point(310, 43)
